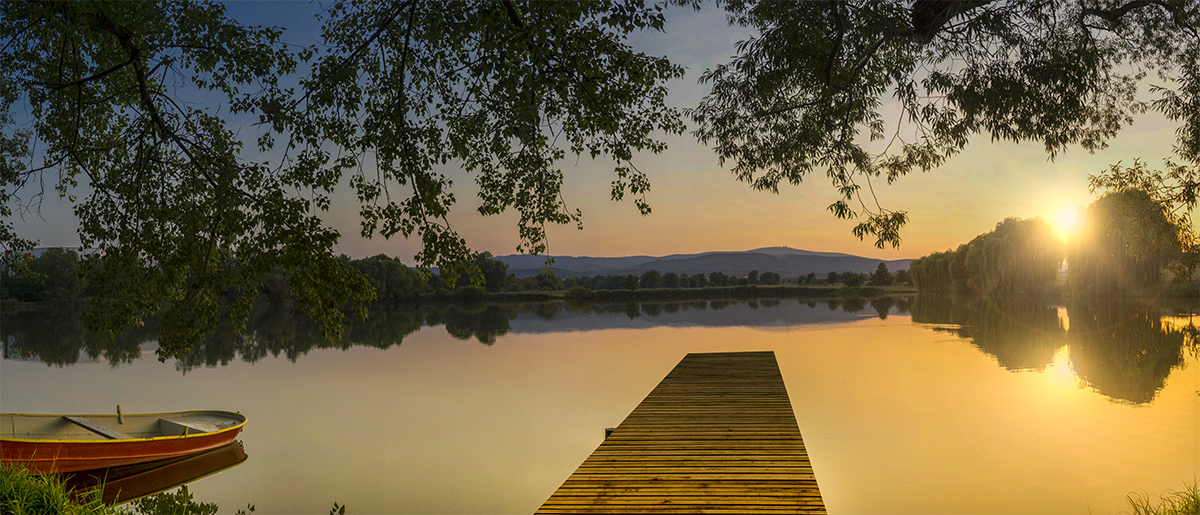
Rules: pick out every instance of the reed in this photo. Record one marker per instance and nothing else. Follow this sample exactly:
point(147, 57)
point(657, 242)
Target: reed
point(22, 492)
point(1172, 502)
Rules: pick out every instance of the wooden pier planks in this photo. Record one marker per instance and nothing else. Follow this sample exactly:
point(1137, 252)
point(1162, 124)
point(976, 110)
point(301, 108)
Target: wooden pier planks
point(717, 435)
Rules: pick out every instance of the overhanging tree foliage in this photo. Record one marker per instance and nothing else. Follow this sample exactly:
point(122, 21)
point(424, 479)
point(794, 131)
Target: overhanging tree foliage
point(806, 92)
point(140, 112)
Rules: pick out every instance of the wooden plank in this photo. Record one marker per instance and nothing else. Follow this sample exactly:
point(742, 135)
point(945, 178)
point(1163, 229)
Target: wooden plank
point(717, 435)
point(178, 428)
point(104, 431)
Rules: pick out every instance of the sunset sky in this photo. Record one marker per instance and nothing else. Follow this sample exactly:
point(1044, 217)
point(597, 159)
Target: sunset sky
point(697, 204)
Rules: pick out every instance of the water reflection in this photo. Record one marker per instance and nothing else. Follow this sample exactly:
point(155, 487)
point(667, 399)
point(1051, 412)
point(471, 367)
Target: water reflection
point(1021, 334)
point(123, 484)
point(1124, 350)
point(59, 337)
point(1120, 348)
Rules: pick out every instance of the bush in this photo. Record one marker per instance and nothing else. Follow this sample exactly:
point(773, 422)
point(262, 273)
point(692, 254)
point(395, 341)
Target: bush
point(853, 280)
point(580, 293)
point(441, 294)
point(468, 292)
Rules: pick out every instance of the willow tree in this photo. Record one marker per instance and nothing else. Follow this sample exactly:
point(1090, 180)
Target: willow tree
point(806, 92)
point(1018, 256)
point(1139, 227)
point(1127, 240)
point(934, 272)
point(196, 168)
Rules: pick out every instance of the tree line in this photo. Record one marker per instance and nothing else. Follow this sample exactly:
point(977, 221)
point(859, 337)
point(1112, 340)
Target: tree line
point(58, 278)
point(1134, 233)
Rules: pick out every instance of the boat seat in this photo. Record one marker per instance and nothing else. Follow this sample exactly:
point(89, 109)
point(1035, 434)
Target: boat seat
point(174, 427)
point(111, 434)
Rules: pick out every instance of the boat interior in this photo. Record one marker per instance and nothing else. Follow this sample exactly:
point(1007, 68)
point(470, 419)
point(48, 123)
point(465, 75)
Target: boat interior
point(113, 427)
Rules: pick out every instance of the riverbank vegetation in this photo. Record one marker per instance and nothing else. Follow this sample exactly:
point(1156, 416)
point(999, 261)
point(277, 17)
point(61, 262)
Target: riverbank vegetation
point(1136, 240)
point(25, 493)
point(22, 492)
point(1018, 256)
point(58, 279)
point(1174, 502)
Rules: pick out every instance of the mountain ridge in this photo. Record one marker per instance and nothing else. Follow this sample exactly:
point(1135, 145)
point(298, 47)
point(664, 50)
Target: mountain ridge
point(786, 261)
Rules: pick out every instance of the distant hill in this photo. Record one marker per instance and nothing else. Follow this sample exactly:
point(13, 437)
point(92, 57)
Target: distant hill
point(785, 261)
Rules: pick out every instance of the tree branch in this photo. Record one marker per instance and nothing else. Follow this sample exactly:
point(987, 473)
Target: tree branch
point(85, 79)
point(378, 31)
point(929, 16)
point(837, 43)
point(126, 38)
point(1115, 15)
point(512, 14)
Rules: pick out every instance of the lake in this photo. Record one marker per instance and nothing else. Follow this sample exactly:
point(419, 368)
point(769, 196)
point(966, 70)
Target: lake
point(926, 405)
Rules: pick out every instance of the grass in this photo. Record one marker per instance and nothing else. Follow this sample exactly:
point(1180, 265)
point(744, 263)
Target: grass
point(23, 492)
point(1172, 502)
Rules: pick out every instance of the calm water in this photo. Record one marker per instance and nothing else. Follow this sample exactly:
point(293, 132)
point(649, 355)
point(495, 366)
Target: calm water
point(926, 406)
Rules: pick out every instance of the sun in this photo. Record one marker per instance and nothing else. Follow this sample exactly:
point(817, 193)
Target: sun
point(1067, 222)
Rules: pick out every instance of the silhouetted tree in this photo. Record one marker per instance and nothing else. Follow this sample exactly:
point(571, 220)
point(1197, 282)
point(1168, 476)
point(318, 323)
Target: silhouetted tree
point(547, 281)
point(631, 282)
point(881, 276)
point(392, 280)
point(651, 279)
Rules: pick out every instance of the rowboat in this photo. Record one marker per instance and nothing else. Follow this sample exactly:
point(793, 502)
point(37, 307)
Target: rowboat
point(70, 443)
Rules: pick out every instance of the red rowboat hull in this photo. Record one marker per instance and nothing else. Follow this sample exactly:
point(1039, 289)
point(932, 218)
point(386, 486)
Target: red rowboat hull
point(44, 457)
point(72, 455)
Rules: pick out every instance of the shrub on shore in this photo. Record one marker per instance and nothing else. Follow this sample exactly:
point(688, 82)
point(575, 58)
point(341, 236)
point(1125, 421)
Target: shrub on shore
point(24, 492)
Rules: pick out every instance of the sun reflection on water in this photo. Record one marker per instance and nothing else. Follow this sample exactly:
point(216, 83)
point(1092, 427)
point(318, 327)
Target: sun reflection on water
point(1059, 372)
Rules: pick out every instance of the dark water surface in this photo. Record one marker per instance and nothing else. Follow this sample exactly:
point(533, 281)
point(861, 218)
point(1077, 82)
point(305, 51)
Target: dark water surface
point(929, 405)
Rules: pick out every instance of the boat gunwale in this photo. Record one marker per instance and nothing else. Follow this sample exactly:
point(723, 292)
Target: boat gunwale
point(125, 440)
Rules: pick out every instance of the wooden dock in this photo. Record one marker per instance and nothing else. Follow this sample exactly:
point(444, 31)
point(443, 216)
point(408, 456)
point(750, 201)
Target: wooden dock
point(717, 435)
